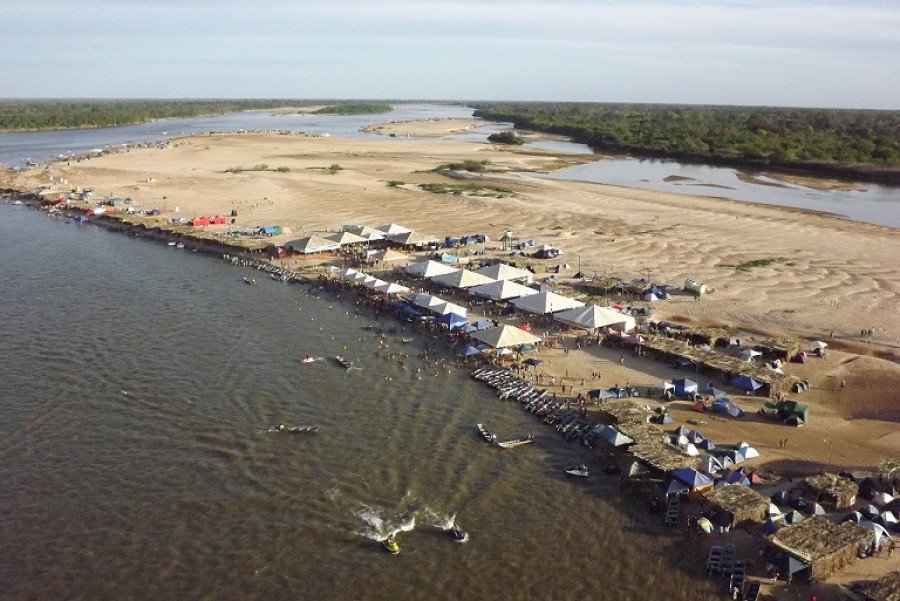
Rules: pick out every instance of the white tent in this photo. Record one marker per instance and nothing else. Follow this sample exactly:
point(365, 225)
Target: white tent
point(690, 449)
point(391, 288)
point(773, 510)
point(546, 302)
point(311, 244)
point(502, 271)
point(592, 317)
point(370, 281)
point(818, 344)
point(747, 451)
point(412, 239)
point(710, 465)
point(364, 231)
point(881, 533)
point(448, 307)
point(333, 270)
point(345, 238)
point(881, 499)
point(651, 297)
point(426, 301)
point(749, 354)
point(429, 269)
point(504, 336)
point(386, 255)
point(462, 278)
point(348, 273)
point(502, 290)
point(393, 228)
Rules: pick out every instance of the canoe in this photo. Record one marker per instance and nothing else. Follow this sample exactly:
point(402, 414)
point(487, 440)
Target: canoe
point(515, 442)
point(486, 434)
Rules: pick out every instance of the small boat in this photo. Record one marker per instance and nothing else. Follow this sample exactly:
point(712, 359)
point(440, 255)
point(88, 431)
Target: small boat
point(172, 243)
point(249, 281)
point(579, 471)
point(179, 245)
point(390, 545)
point(343, 362)
point(458, 534)
point(486, 434)
point(516, 442)
point(309, 359)
point(293, 429)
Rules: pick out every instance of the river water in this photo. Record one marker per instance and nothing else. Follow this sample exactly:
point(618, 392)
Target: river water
point(137, 378)
point(877, 204)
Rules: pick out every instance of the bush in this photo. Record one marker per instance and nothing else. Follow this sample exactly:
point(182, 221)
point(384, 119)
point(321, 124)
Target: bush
point(506, 137)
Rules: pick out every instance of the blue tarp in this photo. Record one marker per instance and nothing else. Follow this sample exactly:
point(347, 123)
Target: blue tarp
point(715, 392)
point(454, 320)
point(746, 383)
point(684, 387)
point(468, 351)
point(728, 407)
point(481, 324)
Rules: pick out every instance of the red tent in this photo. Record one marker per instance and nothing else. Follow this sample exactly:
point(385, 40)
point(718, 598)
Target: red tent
point(218, 220)
point(200, 221)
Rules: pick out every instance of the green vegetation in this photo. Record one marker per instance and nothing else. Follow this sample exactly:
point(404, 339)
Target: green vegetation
point(470, 189)
point(355, 108)
point(862, 144)
point(395, 183)
point(260, 167)
point(333, 169)
point(505, 137)
point(748, 265)
point(63, 114)
point(468, 165)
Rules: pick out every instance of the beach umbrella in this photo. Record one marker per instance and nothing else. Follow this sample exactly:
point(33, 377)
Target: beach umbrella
point(524, 349)
point(468, 351)
point(787, 564)
point(533, 362)
point(746, 383)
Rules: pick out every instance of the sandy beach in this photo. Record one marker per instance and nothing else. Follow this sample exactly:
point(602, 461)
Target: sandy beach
point(429, 128)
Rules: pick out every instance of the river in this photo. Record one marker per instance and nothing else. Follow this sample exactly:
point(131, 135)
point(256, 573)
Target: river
point(137, 378)
point(877, 204)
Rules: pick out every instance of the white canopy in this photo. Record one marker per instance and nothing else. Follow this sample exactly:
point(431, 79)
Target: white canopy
point(393, 228)
point(504, 336)
point(426, 301)
point(818, 344)
point(412, 239)
point(502, 290)
point(461, 278)
point(311, 244)
point(345, 238)
point(502, 271)
point(592, 316)
point(448, 307)
point(387, 255)
point(546, 302)
point(391, 288)
point(429, 269)
point(364, 231)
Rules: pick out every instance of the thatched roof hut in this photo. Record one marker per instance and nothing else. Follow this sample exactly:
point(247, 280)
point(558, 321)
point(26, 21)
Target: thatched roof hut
point(741, 503)
point(885, 589)
point(822, 544)
point(832, 489)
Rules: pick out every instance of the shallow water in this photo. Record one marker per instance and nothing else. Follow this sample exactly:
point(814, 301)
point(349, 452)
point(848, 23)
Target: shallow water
point(137, 378)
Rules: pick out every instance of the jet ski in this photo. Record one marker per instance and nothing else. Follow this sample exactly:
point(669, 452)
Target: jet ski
point(308, 359)
point(580, 471)
point(390, 545)
point(458, 534)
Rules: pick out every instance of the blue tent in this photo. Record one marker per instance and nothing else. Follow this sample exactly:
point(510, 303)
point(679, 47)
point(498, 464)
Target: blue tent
point(481, 324)
point(738, 476)
point(454, 320)
point(715, 392)
point(468, 351)
point(746, 383)
point(772, 525)
point(673, 487)
point(692, 477)
point(685, 387)
point(728, 407)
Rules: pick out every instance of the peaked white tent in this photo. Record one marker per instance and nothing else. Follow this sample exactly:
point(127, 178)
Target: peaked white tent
point(426, 301)
point(546, 302)
point(364, 231)
point(462, 278)
point(448, 307)
point(592, 317)
point(311, 244)
point(429, 269)
point(391, 288)
point(502, 271)
point(345, 238)
point(392, 228)
point(504, 336)
point(412, 239)
point(502, 290)
point(373, 283)
point(387, 255)
point(747, 451)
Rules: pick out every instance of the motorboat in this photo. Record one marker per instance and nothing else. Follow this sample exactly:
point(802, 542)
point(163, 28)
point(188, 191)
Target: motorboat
point(249, 281)
point(293, 429)
point(179, 245)
point(309, 359)
point(516, 442)
point(343, 361)
point(172, 243)
point(579, 471)
point(458, 534)
point(390, 545)
point(486, 434)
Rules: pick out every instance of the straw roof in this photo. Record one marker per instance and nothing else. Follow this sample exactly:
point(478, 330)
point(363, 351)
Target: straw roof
point(505, 336)
point(833, 486)
point(817, 537)
point(885, 589)
point(744, 503)
point(649, 444)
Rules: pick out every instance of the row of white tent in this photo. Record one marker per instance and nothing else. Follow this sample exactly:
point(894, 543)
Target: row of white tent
point(359, 234)
point(368, 281)
point(499, 282)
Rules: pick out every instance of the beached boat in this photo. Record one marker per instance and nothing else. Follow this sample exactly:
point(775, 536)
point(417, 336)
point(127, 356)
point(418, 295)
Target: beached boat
point(249, 281)
point(486, 434)
point(580, 471)
point(172, 243)
point(343, 362)
point(179, 245)
point(516, 442)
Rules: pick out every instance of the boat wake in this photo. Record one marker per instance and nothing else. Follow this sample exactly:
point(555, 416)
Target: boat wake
point(379, 524)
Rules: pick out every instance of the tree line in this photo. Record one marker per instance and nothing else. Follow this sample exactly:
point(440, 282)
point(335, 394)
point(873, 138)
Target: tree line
point(863, 144)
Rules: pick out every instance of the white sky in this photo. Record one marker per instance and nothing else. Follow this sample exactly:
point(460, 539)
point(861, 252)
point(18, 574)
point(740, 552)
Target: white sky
point(828, 53)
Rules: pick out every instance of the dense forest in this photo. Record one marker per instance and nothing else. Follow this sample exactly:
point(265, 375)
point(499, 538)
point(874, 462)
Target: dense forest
point(61, 114)
point(862, 144)
point(355, 108)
